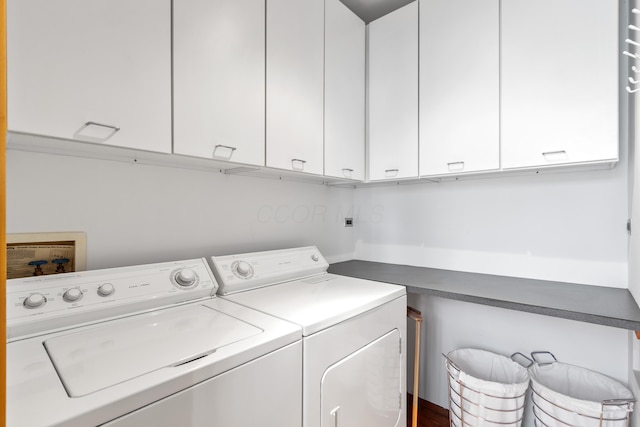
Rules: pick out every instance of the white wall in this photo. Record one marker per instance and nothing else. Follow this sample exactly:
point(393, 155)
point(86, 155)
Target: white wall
point(567, 227)
point(559, 226)
point(135, 214)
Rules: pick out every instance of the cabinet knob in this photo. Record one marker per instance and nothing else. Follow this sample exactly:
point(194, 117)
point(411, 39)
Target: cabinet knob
point(555, 156)
point(455, 166)
point(115, 128)
point(223, 151)
point(347, 172)
point(298, 164)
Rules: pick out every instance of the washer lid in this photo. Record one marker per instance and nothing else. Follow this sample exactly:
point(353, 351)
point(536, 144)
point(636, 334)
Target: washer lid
point(126, 348)
point(319, 302)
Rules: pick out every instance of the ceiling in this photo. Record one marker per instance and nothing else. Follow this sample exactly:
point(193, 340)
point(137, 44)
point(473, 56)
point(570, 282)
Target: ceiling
point(370, 10)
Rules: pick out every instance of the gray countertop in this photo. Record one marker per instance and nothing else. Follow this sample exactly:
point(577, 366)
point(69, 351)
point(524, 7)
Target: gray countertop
point(593, 304)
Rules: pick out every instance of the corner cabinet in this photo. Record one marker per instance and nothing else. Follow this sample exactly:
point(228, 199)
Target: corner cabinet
point(344, 122)
point(559, 77)
point(295, 85)
point(94, 71)
point(459, 86)
point(393, 95)
point(219, 79)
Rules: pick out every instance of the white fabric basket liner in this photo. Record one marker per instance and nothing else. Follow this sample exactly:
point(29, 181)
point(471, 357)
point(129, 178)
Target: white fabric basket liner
point(493, 388)
point(573, 395)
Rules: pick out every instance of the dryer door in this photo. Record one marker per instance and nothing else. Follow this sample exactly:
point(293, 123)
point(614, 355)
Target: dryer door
point(364, 389)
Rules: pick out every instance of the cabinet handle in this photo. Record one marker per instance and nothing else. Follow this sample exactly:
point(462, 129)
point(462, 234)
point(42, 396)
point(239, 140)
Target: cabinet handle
point(298, 164)
point(347, 172)
point(225, 147)
point(554, 156)
point(115, 128)
point(334, 416)
point(455, 166)
point(390, 173)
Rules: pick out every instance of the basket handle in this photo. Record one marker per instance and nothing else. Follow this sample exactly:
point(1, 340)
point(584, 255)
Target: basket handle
point(548, 353)
point(618, 402)
point(449, 361)
point(518, 355)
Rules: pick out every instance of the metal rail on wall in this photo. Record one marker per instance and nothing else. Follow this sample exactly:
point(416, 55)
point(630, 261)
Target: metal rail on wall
point(632, 46)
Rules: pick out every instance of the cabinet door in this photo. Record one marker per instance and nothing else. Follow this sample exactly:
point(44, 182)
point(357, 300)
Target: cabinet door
point(344, 88)
point(393, 95)
point(95, 71)
point(559, 82)
point(219, 82)
point(459, 86)
point(295, 80)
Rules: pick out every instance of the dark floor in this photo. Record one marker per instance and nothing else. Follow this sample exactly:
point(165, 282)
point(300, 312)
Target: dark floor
point(429, 414)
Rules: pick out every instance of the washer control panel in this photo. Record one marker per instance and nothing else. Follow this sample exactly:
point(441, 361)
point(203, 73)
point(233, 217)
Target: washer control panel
point(236, 273)
point(42, 303)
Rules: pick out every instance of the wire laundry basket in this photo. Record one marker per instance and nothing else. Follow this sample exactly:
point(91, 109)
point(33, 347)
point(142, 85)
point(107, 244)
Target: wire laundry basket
point(565, 395)
point(485, 389)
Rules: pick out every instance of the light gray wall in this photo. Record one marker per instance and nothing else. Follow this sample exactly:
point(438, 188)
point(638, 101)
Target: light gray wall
point(559, 226)
point(562, 226)
point(135, 214)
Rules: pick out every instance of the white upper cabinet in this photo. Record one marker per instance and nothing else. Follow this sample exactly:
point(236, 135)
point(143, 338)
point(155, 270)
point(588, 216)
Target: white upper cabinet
point(459, 86)
point(219, 81)
point(344, 78)
point(393, 95)
point(95, 71)
point(559, 82)
point(295, 85)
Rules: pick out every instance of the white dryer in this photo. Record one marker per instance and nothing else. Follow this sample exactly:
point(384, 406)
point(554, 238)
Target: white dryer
point(353, 333)
point(146, 346)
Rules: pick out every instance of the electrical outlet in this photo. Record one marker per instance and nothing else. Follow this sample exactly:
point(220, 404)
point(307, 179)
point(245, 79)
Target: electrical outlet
point(348, 222)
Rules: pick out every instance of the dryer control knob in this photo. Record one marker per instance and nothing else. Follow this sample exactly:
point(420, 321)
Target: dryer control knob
point(35, 300)
point(185, 277)
point(72, 295)
point(106, 289)
point(243, 268)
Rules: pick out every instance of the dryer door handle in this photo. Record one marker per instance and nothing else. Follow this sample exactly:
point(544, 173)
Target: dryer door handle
point(334, 416)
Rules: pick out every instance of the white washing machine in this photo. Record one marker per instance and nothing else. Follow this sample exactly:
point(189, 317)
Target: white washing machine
point(353, 333)
point(146, 346)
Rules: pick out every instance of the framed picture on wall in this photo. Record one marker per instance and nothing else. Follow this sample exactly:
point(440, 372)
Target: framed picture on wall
point(36, 254)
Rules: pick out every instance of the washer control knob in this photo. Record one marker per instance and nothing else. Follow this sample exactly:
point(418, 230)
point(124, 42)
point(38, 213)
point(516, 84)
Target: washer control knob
point(243, 269)
point(186, 277)
point(72, 295)
point(106, 289)
point(315, 257)
point(35, 300)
